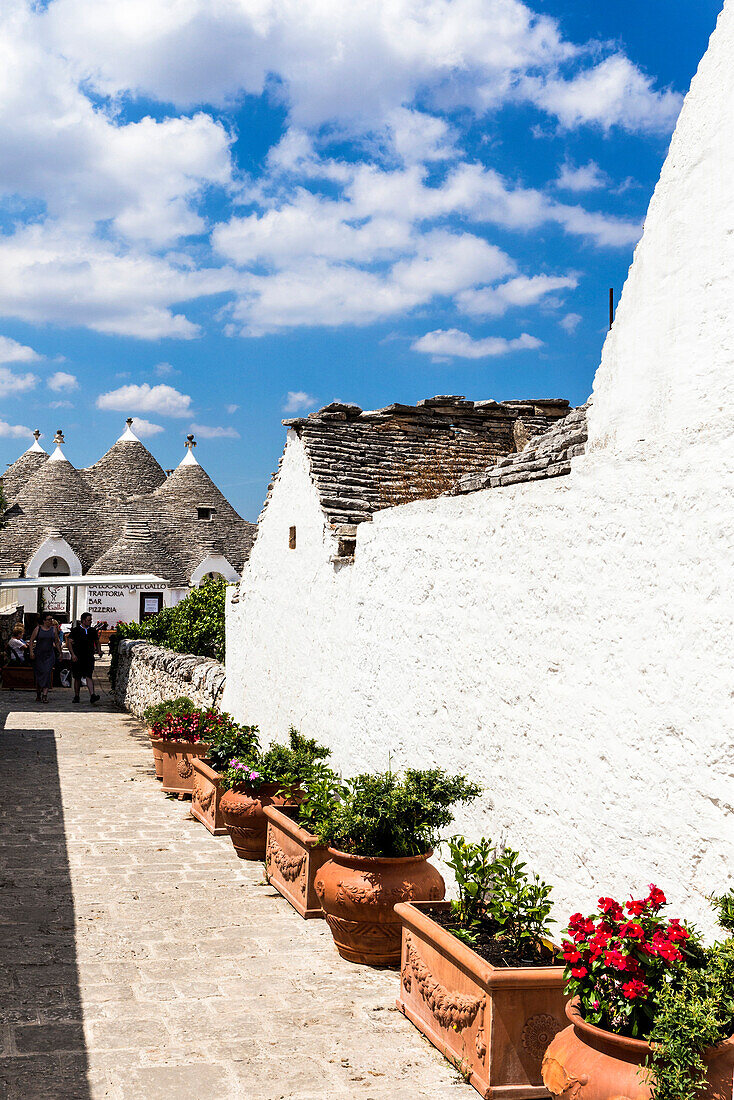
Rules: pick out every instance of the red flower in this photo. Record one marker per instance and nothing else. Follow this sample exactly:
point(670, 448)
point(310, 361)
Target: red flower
point(675, 932)
point(656, 898)
point(632, 931)
point(570, 954)
point(611, 907)
point(636, 908)
point(579, 971)
point(634, 989)
point(616, 959)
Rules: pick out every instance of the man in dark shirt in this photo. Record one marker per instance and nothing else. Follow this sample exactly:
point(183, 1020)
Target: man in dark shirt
point(83, 643)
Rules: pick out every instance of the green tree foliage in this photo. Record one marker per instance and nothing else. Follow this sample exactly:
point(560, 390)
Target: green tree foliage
point(389, 815)
point(195, 626)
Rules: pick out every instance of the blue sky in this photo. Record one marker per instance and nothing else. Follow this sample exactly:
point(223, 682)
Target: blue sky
point(217, 213)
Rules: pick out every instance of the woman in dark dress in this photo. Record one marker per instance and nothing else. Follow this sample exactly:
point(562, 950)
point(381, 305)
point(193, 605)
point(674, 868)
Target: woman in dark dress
point(44, 641)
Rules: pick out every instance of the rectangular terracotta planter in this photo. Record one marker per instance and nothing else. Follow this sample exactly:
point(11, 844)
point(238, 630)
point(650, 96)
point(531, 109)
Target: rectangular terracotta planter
point(205, 797)
point(176, 761)
point(493, 1023)
point(292, 859)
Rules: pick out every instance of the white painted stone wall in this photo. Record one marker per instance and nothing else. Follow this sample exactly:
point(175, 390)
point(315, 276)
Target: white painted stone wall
point(569, 643)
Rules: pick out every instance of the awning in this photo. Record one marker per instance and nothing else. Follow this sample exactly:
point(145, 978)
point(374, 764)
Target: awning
point(88, 580)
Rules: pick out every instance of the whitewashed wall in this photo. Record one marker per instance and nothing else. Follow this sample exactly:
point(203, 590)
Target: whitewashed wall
point(569, 643)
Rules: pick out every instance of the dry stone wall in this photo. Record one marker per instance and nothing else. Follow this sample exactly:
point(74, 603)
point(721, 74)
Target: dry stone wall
point(148, 674)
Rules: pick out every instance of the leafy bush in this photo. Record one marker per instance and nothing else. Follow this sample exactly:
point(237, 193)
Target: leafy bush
point(694, 1011)
point(179, 720)
point(323, 790)
point(195, 625)
point(231, 741)
point(498, 897)
point(287, 766)
point(384, 814)
point(618, 963)
point(724, 909)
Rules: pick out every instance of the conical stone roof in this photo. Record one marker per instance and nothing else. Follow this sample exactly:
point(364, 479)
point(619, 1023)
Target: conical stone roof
point(139, 551)
point(56, 496)
point(22, 470)
point(128, 469)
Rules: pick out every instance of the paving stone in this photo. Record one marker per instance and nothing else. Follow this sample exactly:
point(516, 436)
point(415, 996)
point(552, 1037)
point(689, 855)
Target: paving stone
point(139, 958)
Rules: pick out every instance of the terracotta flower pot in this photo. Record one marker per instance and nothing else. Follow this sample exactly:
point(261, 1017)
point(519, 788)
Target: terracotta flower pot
point(358, 895)
point(586, 1063)
point(205, 797)
point(176, 760)
point(494, 1023)
point(157, 755)
point(293, 856)
point(243, 813)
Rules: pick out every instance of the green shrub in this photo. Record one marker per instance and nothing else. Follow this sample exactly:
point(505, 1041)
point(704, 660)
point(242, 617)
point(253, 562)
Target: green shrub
point(195, 625)
point(384, 814)
point(497, 896)
point(288, 766)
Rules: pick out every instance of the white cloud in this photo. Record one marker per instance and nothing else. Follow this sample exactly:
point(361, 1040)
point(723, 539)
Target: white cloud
point(351, 64)
point(60, 380)
point(298, 401)
point(15, 383)
point(613, 93)
point(206, 431)
point(165, 370)
point(585, 177)
point(161, 399)
point(13, 352)
point(61, 404)
point(570, 322)
point(487, 301)
point(232, 409)
point(143, 428)
point(453, 343)
point(14, 431)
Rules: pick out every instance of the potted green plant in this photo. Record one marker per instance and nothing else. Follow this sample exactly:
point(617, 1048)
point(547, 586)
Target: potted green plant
point(479, 976)
point(380, 837)
point(228, 741)
point(652, 1013)
point(260, 779)
point(293, 854)
point(156, 714)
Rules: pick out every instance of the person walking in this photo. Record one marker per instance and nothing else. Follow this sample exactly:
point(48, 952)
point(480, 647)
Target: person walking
point(44, 645)
point(82, 641)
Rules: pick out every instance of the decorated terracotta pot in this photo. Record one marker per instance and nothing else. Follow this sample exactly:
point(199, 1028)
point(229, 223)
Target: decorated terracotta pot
point(358, 895)
point(293, 857)
point(205, 797)
point(157, 755)
point(586, 1063)
point(494, 1023)
point(176, 762)
point(243, 812)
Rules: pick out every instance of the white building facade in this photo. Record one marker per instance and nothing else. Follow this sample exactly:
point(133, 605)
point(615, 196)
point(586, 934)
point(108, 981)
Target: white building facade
point(567, 642)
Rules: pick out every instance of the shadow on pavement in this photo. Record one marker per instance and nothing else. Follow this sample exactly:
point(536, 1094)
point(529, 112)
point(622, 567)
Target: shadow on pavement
point(44, 1053)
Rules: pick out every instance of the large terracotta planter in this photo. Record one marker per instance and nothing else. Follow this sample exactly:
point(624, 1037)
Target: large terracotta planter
point(243, 813)
point(205, 797)
point(293, 857)
point(157, 754)
point(494, 1023)
point(176, 761)
point(358, 895)
point(585, 1063)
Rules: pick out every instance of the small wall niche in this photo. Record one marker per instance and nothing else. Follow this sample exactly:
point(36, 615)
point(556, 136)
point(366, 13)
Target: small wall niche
point(291, 538)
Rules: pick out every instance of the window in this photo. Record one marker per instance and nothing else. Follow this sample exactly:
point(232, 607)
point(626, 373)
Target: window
point(205, 514)
point(292, 538)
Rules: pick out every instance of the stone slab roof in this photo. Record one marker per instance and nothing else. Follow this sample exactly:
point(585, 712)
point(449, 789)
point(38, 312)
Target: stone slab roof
point(364, 461)
point(546, 456)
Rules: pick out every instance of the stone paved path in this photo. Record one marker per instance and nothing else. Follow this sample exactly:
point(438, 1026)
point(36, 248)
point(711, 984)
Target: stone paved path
point(139, 958)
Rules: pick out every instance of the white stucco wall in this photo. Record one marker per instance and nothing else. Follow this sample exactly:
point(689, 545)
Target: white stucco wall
point(569, 643)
